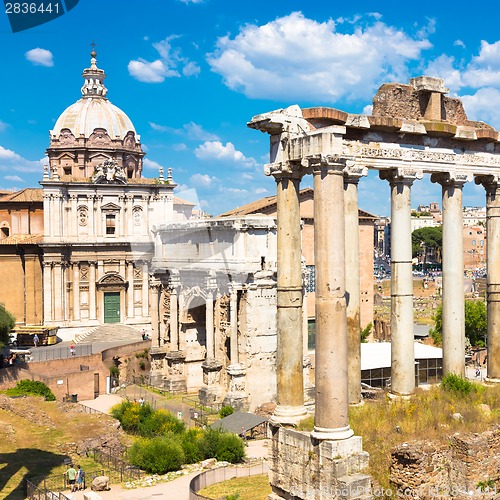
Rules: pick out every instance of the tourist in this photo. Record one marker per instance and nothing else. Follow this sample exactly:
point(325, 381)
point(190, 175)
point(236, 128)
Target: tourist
point(72, 350)
point(80, 478)
point(71, 477)
point(36, 340)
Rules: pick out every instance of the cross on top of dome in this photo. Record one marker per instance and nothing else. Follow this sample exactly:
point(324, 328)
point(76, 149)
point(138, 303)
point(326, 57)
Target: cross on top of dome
point(94, 78)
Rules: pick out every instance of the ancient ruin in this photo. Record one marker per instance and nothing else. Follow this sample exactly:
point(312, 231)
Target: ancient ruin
point(414, 129)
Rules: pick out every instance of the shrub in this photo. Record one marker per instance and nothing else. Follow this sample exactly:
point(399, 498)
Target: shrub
point(191, 444)
point(158, 423)
point(157, 455)
point(31, 388)
point(231, 448)
point(7, 323)
point(114, 371)
point(364, 333)
point(458, 385)
point(225, 411)
point(222, 445)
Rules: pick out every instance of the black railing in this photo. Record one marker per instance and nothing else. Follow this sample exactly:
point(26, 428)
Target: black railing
point(120, 470)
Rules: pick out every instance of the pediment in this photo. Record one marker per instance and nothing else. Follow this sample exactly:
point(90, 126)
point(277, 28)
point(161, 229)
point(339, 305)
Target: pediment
point(111, 207)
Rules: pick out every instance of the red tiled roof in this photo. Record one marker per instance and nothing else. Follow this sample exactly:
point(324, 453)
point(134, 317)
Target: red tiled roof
point(22, 239)
point(23, 196)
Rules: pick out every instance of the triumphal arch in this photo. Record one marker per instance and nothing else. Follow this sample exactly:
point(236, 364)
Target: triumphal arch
point(414, 129)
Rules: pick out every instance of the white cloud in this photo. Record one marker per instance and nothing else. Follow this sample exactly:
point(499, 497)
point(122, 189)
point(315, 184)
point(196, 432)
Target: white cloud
point(260, 190)
point(14, 178)
point(202, 180)
point(170, 64)
point(459, 43)
point(444, 67)
point(484, 106)
point(297, 58)
point(151, 164)
point(215, 150)
point(179, 147)
point(10, 160)
point(191, 69)
point(3, 126)
point(187, 2)
point(40, 57)
point(191, 130)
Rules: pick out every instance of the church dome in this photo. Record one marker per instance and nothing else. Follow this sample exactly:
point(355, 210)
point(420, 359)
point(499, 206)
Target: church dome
point(94, 110)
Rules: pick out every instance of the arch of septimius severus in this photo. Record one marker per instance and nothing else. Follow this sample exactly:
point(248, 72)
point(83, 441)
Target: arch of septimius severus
point(414, 129)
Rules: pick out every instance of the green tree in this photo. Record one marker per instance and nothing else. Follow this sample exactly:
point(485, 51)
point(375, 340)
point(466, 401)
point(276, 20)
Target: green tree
point(7, 323)
point(430, 237)
point(475, 323)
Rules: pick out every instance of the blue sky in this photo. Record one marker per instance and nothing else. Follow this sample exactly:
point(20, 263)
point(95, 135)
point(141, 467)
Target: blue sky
point(191, 73)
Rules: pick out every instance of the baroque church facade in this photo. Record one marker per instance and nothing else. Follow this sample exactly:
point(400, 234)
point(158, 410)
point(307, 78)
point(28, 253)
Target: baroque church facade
point(98, 211)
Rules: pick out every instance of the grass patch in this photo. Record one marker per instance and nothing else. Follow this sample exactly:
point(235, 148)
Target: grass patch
point(31, 434)
point(248, 488)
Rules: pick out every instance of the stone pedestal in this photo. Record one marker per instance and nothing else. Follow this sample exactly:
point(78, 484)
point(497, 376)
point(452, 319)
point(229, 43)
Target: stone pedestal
point(175, 380)
point(304, 468)
point(212, 391)
point(237, 395)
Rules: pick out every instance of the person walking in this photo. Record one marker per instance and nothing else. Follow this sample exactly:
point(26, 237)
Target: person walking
point(71, 477)
point(72, 350)
point(36, 340)
point(80, 478)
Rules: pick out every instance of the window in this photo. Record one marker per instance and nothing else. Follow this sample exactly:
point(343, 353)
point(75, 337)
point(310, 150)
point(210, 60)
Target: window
point(473, 243)
point(481, 242)
point(311, 279)
point(67, 170)
point(110, 224)
point(5, 232)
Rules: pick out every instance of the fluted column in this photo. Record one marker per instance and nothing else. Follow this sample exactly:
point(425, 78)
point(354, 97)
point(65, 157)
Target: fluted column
point(58, 291)
point(289, 371)
point(175, 283)
point(352, 175)
point(74, 215)
point(91, 210)
point(145, 289)
point(130, 290)
point(402, 336)
point(76, 291)
point(233, 319)
point(453, 272)
point(155, 289)
point(492, 186)
point(48, 292)
point(92, 290)
point(331, 419)
point(209, 325)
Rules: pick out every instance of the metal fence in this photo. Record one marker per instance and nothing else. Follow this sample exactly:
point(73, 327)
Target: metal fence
point(119, 469)
point(63, 352)
point(33, 492)
point(223, 474)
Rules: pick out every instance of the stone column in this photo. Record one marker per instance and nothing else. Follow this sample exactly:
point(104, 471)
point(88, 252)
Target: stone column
point(76, 291)
point(100, 224)
point(209, 325)
point(233, 319)
point(492, 185)
point(130, 291)
point(91, 223)
point(92, 290)
point(175, 283)
point(49, 292)
point(353, 292)
point(130, 221)
point(58, 291)
point(331, 419)
point(145, 290)
point(289, 356)
point(74, 214)
point(453, 272)
point(155, 288)
point(402, 337)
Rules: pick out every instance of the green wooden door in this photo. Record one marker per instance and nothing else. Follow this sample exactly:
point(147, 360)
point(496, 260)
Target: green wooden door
point(111, 307)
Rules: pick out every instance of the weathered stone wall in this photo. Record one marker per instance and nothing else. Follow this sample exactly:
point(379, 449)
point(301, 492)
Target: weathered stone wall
point(423, 470)
point(301, 467)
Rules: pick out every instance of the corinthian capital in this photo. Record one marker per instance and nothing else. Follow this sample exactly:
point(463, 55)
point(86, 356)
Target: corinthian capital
point(403, 175)
point(451, 178)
